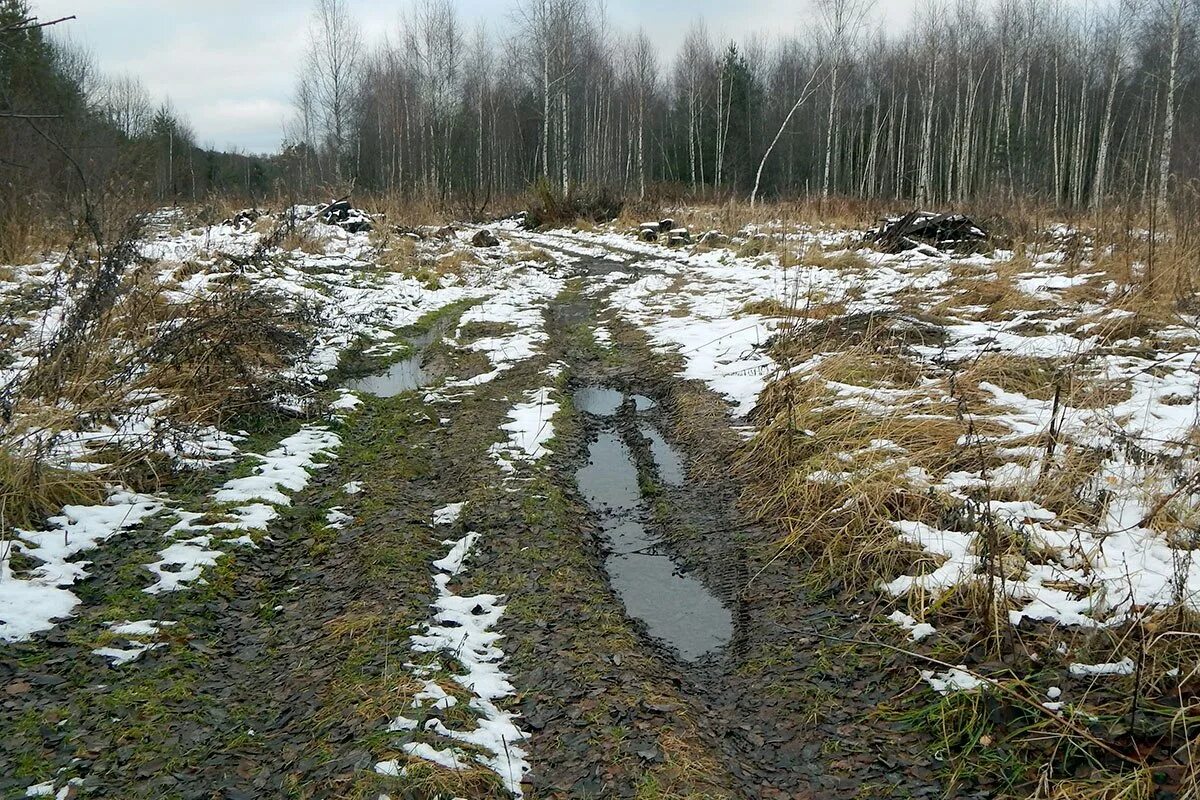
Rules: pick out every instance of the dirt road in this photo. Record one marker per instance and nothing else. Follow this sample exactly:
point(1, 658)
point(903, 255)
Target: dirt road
point(604, 624)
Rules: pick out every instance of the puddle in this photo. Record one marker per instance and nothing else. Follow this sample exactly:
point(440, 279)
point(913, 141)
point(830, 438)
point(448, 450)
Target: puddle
point(643, 403)
point(407, 374)
point(403, 376)
point(598, 401)
point(666, 457)
point(676, 608)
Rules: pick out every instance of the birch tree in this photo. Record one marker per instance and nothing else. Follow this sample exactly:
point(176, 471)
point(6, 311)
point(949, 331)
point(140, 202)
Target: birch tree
point(331, 66)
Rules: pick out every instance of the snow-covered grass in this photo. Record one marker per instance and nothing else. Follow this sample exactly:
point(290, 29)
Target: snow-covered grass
point(1019, 421)
point(1000, 446)
point(1111, 407)
point(529, 427)
point(112, 365)
point(461, 643)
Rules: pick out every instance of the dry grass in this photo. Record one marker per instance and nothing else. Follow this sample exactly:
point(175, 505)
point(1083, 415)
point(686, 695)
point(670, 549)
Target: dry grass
point(1134, 785)
point(304, 239)
point(833, 474)
point(30, 490)
point(811, 311)
point(26, 239)
point(457, 261)
point(846, 261)
point(525, 253)
point(427, 262)
point(124, 348)
point(1037, 378)
point(733, 217)
point(687, 772)
point(997, 293)
point(405, 212)
point(397, 254)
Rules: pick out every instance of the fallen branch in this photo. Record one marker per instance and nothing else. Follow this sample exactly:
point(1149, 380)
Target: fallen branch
point(807, 92)
point(31, 24)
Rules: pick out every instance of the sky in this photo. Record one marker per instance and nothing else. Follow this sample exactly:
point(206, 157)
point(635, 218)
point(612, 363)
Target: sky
point(230, 66)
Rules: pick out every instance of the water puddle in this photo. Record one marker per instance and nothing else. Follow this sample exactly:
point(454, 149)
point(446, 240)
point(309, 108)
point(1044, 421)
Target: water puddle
point(676, 608)
point(666, 458)
point(643, 403)
point(406, 375)
point(598, 401)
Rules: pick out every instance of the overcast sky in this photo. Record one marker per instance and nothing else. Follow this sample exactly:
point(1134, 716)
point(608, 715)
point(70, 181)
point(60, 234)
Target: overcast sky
point(230, 65)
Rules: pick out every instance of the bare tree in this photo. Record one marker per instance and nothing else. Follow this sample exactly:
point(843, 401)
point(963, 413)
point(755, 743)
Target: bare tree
point(805, 93)
point(127, 105)
point(642, 67)
point(1166, 148)
point(1022, 98)
point(842, 21)
point(331, 67)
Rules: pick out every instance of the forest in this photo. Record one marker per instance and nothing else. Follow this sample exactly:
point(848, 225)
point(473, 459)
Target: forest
point(1069, 107)
point(1032, 100)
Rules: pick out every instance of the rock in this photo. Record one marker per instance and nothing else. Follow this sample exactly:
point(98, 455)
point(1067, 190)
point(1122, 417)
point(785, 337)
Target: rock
point(485, 238)
point(666, 225)
point(681, 234)
point(648, 235)
point(714, 239)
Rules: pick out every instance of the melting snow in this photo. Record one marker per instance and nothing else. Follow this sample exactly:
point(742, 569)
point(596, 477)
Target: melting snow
point(463, 631)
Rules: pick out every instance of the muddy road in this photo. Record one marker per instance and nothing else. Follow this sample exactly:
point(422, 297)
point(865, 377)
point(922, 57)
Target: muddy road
point(616, 628)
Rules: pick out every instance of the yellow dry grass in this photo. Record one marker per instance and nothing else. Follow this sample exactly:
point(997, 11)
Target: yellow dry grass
point(303, 239)
point(30, 490)
point(833, 474)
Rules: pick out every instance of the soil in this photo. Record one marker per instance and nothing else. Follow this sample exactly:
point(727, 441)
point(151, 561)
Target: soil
point(284, 670)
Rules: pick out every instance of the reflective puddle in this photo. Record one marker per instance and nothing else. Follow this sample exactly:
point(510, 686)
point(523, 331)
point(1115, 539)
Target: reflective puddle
point(598, 401)
point(666, 458)
point(643, 403)
point(676, 608)
point(406, 375)
point(403, 376)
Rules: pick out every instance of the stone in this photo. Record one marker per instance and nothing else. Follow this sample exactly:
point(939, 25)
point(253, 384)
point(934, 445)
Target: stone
point(485, 238)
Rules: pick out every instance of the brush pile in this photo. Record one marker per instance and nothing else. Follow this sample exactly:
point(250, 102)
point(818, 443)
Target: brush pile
point(549, 207)
point(924, 229)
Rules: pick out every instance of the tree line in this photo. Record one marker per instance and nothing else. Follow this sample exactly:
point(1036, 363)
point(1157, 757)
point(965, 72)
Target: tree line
point(1031, 99)
point(1024, 100)
point(67, 129)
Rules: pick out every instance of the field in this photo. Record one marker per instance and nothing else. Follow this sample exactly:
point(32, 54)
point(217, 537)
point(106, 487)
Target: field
point(293, 511)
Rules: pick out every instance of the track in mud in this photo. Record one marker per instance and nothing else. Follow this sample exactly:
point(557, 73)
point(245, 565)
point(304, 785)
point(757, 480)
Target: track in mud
point(676, 608)
point(782, 706)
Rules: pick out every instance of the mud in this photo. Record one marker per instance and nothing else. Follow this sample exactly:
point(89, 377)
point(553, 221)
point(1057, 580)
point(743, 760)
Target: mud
point(661, 645)
point(795, 711)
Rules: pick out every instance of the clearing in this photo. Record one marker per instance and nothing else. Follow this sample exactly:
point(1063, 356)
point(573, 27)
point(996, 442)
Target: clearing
point(772, 515)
